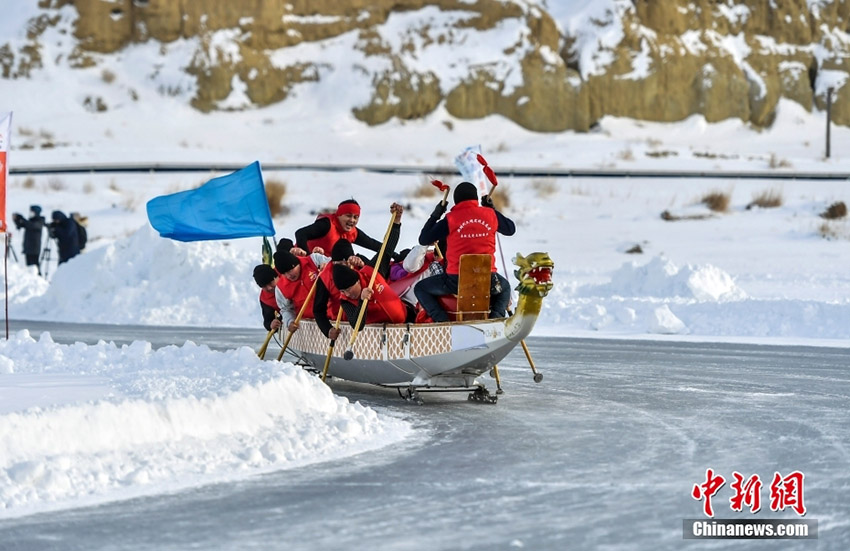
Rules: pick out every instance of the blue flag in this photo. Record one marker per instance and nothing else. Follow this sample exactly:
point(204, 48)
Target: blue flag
point(226, 207)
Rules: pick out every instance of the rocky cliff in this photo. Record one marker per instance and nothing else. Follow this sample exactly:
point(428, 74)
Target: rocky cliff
point(659, 60)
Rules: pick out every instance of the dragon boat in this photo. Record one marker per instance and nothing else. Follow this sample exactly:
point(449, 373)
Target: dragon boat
point(448, 356)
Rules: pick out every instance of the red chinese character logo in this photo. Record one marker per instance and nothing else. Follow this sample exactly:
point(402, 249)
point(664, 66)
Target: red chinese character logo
point(707, 489)
point(746, 493)
point(787, 492)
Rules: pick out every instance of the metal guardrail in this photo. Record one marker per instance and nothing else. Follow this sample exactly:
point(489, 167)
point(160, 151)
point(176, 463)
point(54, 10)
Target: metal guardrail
point(435, 170)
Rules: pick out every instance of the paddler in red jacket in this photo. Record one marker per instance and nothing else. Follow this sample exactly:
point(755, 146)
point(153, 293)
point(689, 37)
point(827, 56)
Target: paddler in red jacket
point(383, 305)
point(468, 229)
point(322, 235)
point(266, 278)
point(298, 274)
point(326, 302)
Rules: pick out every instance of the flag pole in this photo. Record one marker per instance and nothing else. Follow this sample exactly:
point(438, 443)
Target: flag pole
point(5, 145)
point(6, 280)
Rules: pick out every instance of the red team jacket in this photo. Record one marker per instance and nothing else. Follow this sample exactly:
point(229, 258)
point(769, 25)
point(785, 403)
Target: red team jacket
point(334, 234)
point(472, 230)
point(297, 290)
point(384, 306)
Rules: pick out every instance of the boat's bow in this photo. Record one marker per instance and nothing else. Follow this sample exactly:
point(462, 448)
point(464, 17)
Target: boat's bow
point(534, 273)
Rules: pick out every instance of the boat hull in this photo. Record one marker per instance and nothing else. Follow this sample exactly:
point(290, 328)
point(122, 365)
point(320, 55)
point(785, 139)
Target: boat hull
point(418, 355)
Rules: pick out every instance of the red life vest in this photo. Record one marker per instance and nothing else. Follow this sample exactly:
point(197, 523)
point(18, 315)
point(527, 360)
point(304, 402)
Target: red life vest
point(334, 295)
point(384, 306)
point(297, 290)
point(335, 233)
point(472, 230)
point(269, 299)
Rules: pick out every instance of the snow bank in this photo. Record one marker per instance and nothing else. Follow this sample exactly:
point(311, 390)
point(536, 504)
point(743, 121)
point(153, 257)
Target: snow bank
point(145, 279)
point(660, 277)
point(662, 298)
point(24, 284)
point(83, 424)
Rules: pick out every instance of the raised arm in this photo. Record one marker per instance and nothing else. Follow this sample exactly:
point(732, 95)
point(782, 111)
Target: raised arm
point(317, 229)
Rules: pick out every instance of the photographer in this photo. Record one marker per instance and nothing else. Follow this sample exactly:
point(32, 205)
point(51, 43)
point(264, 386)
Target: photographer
point(33, 229)
point(64, 230)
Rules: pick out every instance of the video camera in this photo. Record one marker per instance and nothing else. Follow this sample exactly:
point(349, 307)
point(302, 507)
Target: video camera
point(51, 229)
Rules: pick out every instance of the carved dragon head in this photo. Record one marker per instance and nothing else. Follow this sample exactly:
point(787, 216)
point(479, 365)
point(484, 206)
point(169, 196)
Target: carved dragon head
point(534, 273)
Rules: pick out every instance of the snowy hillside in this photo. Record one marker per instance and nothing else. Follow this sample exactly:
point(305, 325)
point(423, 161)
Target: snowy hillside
point(105, 79)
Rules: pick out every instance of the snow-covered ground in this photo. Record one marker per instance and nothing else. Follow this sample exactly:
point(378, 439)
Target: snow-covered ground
point(79, 424)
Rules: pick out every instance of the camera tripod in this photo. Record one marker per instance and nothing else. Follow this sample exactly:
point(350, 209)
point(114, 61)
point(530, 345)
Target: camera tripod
point(10, 248)
point(45, 256)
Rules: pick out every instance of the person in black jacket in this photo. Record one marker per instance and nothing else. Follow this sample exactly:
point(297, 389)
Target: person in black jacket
point(266, 278)
point(322, 235)
point(64, 230)
point(33, 229)
point(467, 228)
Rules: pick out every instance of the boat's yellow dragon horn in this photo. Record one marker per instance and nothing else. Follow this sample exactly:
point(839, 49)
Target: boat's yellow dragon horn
point(534, 273)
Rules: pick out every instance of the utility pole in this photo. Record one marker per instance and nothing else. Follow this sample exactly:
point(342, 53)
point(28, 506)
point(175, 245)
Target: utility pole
point(828, 117)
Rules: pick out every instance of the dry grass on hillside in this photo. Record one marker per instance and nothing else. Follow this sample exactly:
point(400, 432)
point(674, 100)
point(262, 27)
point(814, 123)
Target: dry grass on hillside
point(656, 154)
point(670, 217)
point(275, 192)
point(717, 201)
point(835, 211)
point(544, 187)
point(502, 198)
point(56, 184)
point(626, 155)
point(834, 229)
point(776, 162)
point(767, 199)
point(427, 190)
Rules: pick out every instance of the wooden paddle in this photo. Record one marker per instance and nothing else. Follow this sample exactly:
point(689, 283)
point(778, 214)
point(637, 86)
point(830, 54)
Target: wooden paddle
point(262, 352)
point(349, 353)
point(331, 346)
point(537, 376)
point(445, 189)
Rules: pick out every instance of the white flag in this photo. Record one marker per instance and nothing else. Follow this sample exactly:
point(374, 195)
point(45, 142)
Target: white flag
point(469, 167)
